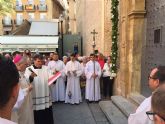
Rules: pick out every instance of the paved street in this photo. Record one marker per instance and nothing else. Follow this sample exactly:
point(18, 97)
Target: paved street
point(78, 114)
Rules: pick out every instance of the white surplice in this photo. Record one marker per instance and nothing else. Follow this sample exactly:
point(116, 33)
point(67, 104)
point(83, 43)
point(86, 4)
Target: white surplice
point(40, 92)
point(73, 82)
point(91, 82)
point(5, 121)
point(140, 117)
point(58, 89)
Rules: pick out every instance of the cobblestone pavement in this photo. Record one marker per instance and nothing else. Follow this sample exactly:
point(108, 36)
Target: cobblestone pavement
point(78, 114)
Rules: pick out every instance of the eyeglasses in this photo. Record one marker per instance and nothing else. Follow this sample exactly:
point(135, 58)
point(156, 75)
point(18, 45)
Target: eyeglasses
point(151, 115)
point(154, 78)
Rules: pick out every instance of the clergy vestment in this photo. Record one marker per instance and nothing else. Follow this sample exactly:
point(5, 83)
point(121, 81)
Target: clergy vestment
point(40, 94)
point(25, 112)
point(90, 68)
point(18, 104)
point(73, 92)
point(5, 121)
point(58, 89)
point(140, 117)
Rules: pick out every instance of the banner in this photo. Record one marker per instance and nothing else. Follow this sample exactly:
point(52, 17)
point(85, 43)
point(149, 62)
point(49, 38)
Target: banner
point(54, 78)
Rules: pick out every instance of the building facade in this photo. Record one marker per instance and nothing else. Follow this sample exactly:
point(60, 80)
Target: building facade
point(31, 10)
point(94, 14)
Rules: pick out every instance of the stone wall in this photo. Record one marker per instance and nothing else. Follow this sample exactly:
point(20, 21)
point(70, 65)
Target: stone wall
point(107, 28)
point(153, 51)
point(94, 14)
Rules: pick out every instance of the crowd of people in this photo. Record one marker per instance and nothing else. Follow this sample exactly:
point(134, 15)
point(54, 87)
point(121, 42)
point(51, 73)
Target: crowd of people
point(79, 78)
point(26, 94)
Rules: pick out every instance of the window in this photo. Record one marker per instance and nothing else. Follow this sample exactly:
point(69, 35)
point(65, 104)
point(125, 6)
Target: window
point(19, 6)
point(19, 18)
point(42, 2)
point(157, 36)
point(31, 16)
point(7, 20)
point(30, 2)
point(42, 16)
point(18, 3)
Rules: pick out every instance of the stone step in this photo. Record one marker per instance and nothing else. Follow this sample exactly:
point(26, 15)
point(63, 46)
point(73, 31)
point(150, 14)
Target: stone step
point(124, 105)
point(136, 98)
point(113, 114)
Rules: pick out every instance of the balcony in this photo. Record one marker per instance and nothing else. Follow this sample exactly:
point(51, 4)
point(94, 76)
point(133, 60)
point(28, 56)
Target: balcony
point(30, 7)
point(19, 8)
point(42, 7)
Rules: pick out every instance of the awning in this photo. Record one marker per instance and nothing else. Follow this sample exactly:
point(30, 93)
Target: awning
point(46, 28)
point(33, 43)
point(33, 40)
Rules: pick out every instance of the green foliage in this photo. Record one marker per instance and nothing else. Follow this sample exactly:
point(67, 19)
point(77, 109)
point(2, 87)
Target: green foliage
point(114, 48)
point(6, 7)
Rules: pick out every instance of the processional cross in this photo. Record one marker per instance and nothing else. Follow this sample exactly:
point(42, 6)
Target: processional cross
point(94, 45)
point(94, 35)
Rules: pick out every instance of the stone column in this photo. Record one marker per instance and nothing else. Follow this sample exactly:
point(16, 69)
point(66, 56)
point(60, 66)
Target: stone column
point(107, 42)
point(130, 48)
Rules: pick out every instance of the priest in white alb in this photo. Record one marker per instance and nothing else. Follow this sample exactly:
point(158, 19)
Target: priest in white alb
point(38, 75)
point(73, 71)
point(58, 88)
point(93, 74)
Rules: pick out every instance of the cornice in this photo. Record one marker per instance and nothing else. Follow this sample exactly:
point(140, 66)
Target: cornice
point(137, 13)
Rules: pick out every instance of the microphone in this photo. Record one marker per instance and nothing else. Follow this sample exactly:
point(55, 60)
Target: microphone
point(32, 71)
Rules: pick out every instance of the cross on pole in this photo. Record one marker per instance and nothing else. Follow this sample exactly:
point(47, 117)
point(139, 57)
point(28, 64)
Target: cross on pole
point(94, 35)
point(94, 45)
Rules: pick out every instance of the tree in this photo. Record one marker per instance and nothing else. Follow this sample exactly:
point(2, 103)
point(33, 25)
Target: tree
point(6, 7)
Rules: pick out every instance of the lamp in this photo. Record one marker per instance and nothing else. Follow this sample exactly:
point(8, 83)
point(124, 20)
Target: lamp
point(61, 18)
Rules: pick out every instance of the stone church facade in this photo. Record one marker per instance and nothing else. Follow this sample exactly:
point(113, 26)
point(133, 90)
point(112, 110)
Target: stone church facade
point(141, 44)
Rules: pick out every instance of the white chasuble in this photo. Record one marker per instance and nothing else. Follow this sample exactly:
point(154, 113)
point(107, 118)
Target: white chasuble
point(92, 85)
point(40, 92)
point(58, 89)
point(73, 92)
